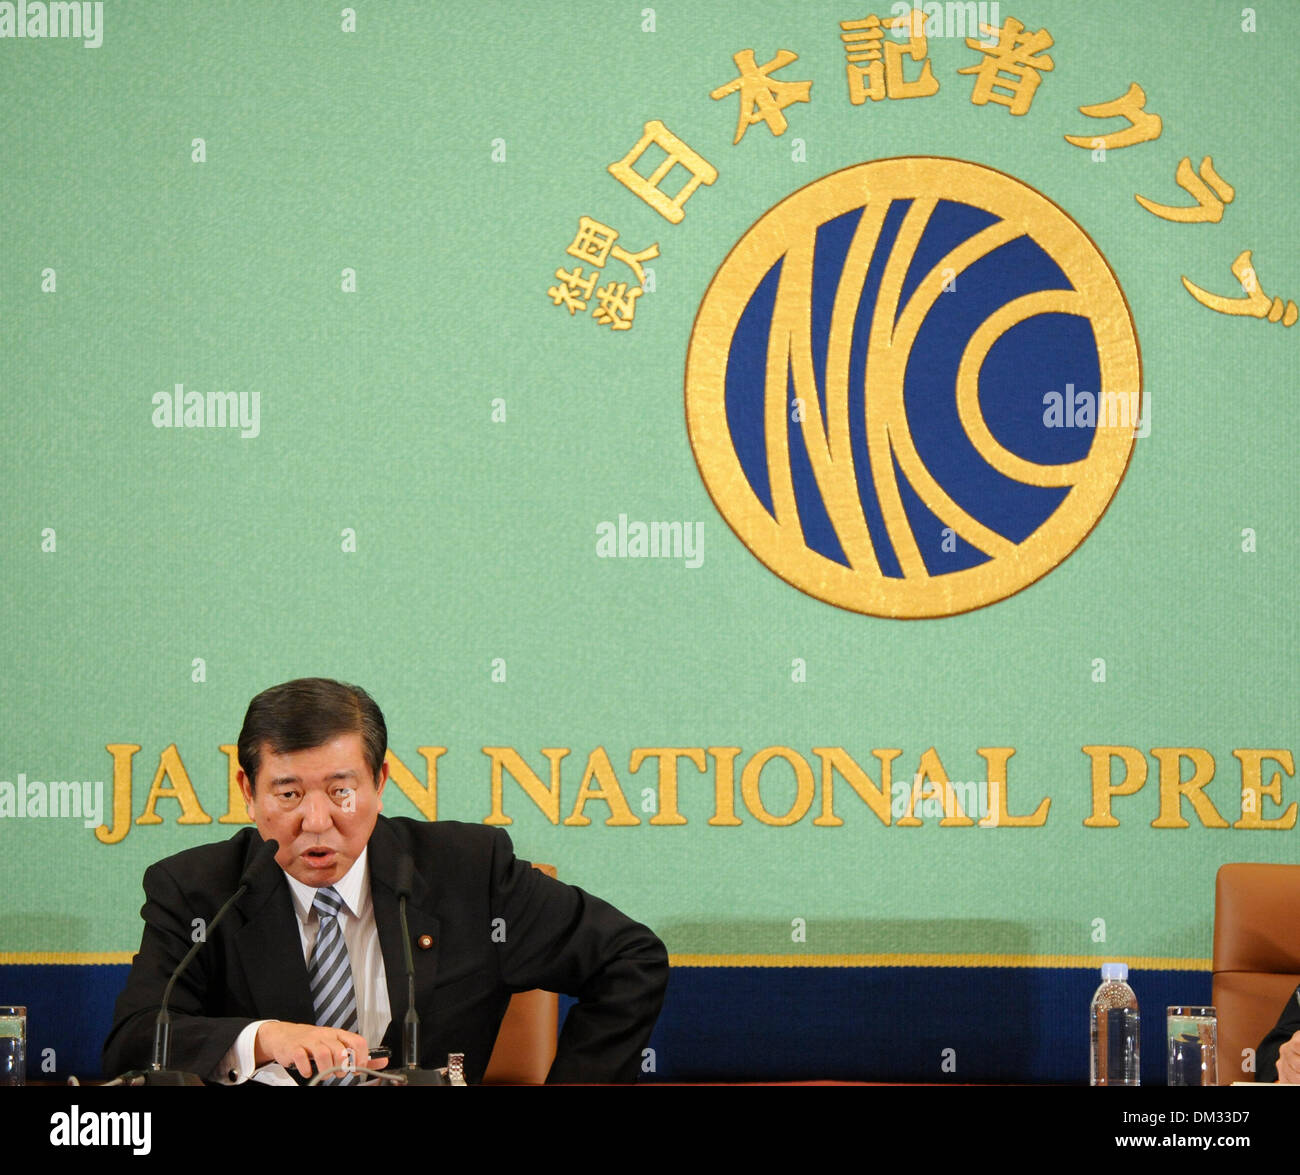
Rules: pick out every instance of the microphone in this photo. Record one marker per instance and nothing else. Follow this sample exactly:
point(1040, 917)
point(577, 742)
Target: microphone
point(411, 1024)
point(158, 1072)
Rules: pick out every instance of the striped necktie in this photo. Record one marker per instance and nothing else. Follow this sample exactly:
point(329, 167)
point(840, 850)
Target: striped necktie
point(330, 972)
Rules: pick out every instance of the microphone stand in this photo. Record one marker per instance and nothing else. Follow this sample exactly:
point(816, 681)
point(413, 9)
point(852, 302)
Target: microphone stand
point(159, 1071)
point(411, 1024)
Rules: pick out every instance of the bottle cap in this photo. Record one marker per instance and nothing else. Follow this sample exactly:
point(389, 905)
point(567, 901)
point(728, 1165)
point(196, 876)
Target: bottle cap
point(1114, 972)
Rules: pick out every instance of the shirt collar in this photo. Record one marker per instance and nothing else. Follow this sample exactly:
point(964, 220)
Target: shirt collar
point(353, 887)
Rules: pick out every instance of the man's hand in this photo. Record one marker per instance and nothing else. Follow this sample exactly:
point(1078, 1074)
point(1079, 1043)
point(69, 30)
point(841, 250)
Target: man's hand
point(1288, 1062)
point(301, 1044)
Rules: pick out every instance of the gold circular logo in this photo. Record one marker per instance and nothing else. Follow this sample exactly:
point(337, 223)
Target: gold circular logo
point(912, 387)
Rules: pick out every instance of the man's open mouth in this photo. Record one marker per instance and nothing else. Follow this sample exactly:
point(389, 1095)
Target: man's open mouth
point(319, 856)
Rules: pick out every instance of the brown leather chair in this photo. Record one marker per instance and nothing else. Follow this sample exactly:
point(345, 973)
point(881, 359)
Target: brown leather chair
point(525, 1045)
point(1256, 956)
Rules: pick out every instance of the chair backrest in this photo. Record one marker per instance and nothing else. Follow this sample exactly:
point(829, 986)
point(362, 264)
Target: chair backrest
point(1256, 956)
point(525, 1046)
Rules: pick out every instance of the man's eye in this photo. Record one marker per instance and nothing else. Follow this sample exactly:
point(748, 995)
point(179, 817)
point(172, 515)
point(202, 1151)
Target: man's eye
point(287, 795)
point(342, 794)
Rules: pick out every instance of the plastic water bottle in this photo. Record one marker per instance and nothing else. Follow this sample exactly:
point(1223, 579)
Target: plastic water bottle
point(1115, 1029)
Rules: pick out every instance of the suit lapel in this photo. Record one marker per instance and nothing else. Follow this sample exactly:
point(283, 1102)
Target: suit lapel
point(386, 850)
point(270, 950)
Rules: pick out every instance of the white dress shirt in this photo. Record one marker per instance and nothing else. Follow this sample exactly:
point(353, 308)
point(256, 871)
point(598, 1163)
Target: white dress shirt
point(369, 979)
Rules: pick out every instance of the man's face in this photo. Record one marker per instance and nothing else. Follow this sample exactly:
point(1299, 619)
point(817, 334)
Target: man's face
point(321, 804)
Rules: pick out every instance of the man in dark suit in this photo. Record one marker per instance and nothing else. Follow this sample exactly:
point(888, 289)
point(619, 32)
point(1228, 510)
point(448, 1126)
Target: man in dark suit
point(1278, 1056)
point(309, 965)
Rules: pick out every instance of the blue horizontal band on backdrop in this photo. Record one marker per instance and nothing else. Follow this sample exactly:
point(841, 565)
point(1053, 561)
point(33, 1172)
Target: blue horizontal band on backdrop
point(1004, 1024)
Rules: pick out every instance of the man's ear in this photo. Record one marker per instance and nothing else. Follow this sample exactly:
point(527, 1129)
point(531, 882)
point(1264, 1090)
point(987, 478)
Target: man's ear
point(246, 789)
point(379, 783)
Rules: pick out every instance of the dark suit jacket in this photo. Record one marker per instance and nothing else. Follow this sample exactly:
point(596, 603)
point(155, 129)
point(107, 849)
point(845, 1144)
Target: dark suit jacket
point(1288, 1025)
point(556, 937)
